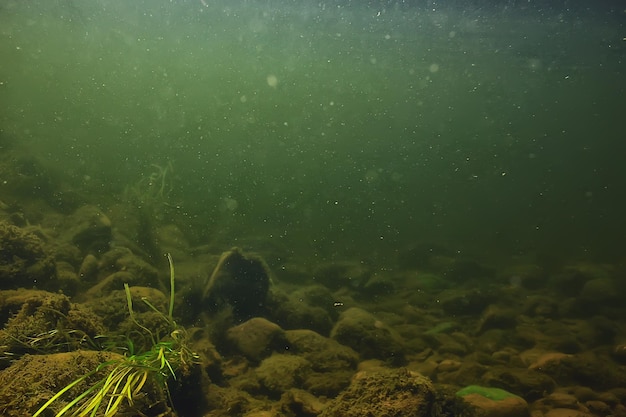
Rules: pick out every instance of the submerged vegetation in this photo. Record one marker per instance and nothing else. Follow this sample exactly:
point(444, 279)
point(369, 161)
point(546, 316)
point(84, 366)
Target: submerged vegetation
point(124, 378)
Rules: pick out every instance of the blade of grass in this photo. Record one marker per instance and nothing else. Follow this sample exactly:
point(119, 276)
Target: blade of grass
point(171, 309)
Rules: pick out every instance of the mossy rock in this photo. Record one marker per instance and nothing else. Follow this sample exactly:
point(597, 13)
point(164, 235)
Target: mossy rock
point(495, 394)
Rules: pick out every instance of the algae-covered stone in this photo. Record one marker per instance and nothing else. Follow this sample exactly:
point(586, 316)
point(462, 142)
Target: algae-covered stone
point(495, 394)
point(494, 402)
point(370, 337)
point(33, 379)
point(257, 338)
point(23, 260)
point(280, 372)
point(384, 393)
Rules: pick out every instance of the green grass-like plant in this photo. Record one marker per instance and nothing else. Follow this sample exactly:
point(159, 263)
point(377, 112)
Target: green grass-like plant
point(124, 378)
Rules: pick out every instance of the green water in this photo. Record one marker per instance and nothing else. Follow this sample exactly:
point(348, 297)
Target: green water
point(334, 129)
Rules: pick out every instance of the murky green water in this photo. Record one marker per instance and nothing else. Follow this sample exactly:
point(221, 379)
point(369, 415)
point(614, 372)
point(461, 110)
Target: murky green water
point(335, 129)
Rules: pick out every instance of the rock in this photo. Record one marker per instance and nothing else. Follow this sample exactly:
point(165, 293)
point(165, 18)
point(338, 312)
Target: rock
point(465, 302)
point(67, 278)
point(467, 373)
point(172, 240)
point(113, 307)
point(378, 285)
point(424, 281)
point(526, 276)
point(548, 363)
point(619, 353)
point(495, 317)
point(332, 364)
point(325, 354)
point(584, 369)
point(598, 407)
point(420, 256)
point(23, 260)
point(527, 383)
point(113, 282)
point(560, 400)
point(301, 403)
point(240, 282)
point(443, 327)
point(384, 393)
point(572, 279)
point(88, 270)
point(50, 373)
point(39, 321)
point(292, 312)
point(567, 412)
point(121, 259)
point(328, 384)
point(594, 371)
point(210, 359)
point(494, 402)
point(464, 270)
point(257, 338)
point(280, 372)
point(342, 274)
point(368, 336)
point(445, 343)
point(143, 273)
point(600, 291)
point(317, 296)
point(448, 365)
point(89, 229)
point(540, 306)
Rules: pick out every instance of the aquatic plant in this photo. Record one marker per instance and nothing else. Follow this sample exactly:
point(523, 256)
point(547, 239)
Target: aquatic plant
point(124, 378)
point(152, 189)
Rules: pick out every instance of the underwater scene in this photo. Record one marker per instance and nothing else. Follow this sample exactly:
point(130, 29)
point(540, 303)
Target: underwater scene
point(282, 208)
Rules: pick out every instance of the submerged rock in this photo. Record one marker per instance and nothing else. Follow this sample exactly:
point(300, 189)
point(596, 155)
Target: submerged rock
point(257, 338)
point(240, 282)
point(89, 229)
point(40, 321)
point(384, 393)
point(370, 337)
point(494, 402)
point(33, 379)
point(23, 260)
point(281, 372)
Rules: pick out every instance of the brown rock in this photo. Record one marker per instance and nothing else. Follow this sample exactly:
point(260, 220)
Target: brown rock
point(507, 407)
point(561, 400)
point(548, 362)
point(301, 403)
point(384, 393)
point(567, 412)
point(495, 317)
point(448, 365)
